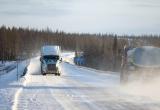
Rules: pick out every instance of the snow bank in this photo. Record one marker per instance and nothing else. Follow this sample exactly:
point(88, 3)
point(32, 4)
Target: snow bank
point(9, 86)
point(12, 75)
point(5, 65)
point(32, 68)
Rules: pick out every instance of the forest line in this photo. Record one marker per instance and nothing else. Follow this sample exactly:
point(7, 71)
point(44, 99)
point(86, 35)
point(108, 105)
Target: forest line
point(101, 51)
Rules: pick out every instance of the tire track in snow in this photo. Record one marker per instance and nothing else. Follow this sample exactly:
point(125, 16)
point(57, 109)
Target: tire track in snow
point(16, 97)
point(25, 80)
point(71, 99)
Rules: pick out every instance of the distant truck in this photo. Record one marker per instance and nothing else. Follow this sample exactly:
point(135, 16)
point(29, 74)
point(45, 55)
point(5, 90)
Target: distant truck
point(140, 63)
point(79, 58)
point(50, 60)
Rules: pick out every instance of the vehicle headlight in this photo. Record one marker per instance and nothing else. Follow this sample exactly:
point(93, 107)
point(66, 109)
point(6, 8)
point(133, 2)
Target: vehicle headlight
point(44, 67)
point(57, 64)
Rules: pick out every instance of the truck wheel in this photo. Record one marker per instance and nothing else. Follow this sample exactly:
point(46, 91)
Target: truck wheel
point(43, 74)
point(59, 74)
point(42, 71)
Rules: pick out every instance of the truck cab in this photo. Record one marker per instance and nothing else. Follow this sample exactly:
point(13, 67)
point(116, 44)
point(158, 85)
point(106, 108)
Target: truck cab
point(50, 60)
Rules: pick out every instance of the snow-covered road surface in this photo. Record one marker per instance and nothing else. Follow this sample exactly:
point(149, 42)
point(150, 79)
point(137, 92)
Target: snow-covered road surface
point(77, 88)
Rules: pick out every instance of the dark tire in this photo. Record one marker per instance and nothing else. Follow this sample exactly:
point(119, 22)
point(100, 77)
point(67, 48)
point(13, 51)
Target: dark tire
point(42, 71)
point(43, 74)
point(59, 74)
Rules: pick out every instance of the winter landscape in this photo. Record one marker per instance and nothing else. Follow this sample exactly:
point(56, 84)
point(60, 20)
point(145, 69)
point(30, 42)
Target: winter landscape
point(79, 55)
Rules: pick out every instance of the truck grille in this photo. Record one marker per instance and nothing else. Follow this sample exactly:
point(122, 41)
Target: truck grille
point(51, 67)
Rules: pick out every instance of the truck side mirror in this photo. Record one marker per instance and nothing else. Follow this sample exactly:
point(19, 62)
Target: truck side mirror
point(60, 60)
point(41, 59)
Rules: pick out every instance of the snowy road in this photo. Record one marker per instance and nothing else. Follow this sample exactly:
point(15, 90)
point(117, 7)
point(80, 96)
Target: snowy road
point(77, 89)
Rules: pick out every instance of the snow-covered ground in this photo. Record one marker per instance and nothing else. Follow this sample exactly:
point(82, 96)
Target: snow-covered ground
point(78, 88)
point(7, 66)
point(9, 85)
point(6, 63)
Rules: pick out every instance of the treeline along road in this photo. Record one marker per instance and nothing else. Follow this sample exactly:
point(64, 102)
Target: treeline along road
point(101, 51)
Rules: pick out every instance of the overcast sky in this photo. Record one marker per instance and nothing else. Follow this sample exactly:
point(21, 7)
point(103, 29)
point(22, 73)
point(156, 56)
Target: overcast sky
point(93, 16)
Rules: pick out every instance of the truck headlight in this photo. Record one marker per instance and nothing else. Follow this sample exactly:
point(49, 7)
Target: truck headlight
point(57, 64)
point(44, 67)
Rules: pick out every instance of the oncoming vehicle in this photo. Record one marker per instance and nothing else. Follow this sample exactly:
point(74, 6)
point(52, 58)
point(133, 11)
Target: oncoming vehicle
point(140, 63)
point(50, 60)
point(79, 58)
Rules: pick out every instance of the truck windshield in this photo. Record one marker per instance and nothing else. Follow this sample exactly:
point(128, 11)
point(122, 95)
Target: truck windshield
point(50, 58)
point(147, 56)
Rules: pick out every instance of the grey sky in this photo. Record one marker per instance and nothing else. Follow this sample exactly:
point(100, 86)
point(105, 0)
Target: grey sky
point(94, 16)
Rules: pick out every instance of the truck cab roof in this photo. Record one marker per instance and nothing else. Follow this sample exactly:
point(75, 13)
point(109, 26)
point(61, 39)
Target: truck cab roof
point(50, 50)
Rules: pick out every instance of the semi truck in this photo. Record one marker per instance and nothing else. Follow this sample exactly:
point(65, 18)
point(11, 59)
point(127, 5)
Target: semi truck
point(140, 63)
point(50, 60)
